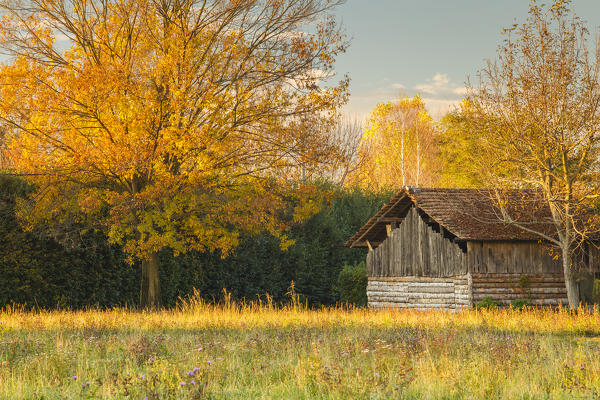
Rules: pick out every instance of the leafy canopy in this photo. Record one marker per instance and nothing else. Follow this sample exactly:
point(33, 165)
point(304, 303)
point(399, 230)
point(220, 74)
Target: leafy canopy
point(398, 146)
point(165, 123)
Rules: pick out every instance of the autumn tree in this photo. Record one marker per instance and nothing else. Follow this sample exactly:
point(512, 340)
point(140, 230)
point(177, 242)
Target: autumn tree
point(462, 157)
point(165, 124)
point(398, 146)
point(537, 110)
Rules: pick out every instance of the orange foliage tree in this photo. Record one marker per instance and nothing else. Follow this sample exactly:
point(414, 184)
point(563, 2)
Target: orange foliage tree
point(398, 147)
point(167, 124)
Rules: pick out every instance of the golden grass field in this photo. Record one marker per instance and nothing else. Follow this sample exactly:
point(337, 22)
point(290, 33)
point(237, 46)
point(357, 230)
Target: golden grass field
point(242, 351)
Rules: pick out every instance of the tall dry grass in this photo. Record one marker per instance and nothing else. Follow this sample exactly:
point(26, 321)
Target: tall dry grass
point(260, 350)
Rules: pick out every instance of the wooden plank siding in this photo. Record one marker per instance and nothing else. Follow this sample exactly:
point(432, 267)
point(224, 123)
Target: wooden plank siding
point(511, 258)
point(416, 249)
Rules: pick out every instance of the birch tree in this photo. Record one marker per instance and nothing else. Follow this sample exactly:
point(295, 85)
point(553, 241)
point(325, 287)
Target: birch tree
point(398, 146)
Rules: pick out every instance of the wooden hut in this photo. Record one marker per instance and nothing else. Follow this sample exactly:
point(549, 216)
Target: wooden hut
point(448, 248)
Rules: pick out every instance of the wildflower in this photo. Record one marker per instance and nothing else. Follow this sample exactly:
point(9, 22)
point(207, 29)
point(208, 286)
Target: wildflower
point(181, 383)
point(582, 367)
point(199, 348)
point(190, 373)
point(209, 362)
point(196, 369)
point(74, 376)
point(192, 382)
point(88, 383)
point(142, 377)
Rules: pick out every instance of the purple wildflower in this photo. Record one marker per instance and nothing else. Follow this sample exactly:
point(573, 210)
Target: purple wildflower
point(190, 373)
point(192, 382)
point(181, 383)
point(74, 376)
point(196, 369)
point(582, 367)
point(209, 362)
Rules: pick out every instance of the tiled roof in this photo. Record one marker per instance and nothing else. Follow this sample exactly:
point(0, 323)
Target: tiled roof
point(469, 214)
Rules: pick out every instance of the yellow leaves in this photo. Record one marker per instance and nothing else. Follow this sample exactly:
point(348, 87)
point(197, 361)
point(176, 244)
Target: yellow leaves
point(398, 146)
point(169, 134)
point(306, 209)
point(89, 201)
point(424, 117)
point(285, 242)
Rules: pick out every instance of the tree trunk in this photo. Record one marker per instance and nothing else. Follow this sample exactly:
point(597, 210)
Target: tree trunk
point(150, 289)
point(402, 158)
point(570, 283)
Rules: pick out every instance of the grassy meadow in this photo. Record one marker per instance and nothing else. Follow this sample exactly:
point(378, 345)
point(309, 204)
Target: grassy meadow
point(242, 351)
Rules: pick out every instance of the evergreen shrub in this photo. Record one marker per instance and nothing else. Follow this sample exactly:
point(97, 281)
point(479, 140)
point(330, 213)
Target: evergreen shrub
point(352, 284)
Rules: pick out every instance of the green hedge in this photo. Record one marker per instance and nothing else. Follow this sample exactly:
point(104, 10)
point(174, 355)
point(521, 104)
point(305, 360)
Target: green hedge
point(36, 271)
point(352, 284)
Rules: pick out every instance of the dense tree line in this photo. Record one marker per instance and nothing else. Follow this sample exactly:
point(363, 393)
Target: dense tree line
point(35, 270)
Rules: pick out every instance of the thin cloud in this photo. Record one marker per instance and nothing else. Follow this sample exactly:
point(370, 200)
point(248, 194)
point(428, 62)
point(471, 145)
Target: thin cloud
point(439, 93)
point(461, 91)
point(440, 84)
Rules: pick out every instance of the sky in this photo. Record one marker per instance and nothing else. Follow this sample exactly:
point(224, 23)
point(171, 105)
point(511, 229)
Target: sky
point(430, 47)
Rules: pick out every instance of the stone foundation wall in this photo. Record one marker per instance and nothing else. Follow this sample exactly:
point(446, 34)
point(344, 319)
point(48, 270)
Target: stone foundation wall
point(420, 292)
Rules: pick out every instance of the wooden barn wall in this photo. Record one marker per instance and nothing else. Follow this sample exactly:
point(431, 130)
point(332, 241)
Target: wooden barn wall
point(416, 249)
point(451, 293)
point(539, 289)
point(587, 259)
point(511, 258)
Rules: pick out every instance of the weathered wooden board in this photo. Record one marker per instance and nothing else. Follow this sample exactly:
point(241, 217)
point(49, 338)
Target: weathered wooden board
point(415, 248)
point(511, 258)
